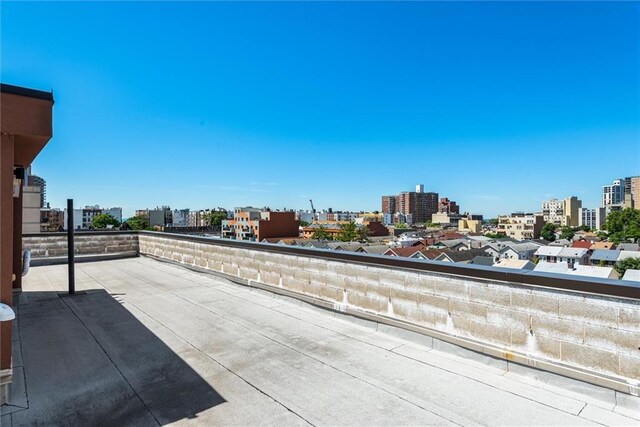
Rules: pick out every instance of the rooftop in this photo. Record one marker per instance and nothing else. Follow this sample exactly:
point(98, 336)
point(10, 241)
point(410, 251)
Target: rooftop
point(152, 343)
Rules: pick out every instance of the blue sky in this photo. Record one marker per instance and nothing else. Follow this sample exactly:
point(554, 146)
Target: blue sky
point(495, 105)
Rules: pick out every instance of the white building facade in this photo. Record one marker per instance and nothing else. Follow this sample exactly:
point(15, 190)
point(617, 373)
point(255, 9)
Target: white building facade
point(553, 212)
point(592, 218)
point(613, 194)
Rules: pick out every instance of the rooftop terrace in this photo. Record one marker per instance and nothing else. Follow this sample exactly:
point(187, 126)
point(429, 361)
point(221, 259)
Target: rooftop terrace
point(151, 342)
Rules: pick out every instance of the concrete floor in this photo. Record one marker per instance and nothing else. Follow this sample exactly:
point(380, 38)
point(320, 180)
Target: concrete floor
point(153, 343)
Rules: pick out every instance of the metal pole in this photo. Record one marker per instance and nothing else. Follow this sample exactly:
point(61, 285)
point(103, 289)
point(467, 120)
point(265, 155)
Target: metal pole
point(71, 247)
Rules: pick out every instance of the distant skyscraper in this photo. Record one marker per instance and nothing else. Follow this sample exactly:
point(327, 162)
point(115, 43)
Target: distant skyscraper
point(389, 204)
point(417, 205)
point(572, 206)
point(613, 194)
point(632, 191)
point(36, 181)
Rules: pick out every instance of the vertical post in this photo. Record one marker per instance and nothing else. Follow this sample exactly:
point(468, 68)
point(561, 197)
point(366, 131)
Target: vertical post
point(71, 248)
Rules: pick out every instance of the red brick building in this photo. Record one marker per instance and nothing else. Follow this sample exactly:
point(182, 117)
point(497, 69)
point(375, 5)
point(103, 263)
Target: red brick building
point(256, 224)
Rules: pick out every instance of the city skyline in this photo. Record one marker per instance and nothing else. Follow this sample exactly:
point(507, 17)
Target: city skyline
point(209, 115)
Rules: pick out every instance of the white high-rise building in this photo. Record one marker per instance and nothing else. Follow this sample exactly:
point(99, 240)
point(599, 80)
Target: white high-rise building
point(553, 211)
point(613, 194)
point(593, 218)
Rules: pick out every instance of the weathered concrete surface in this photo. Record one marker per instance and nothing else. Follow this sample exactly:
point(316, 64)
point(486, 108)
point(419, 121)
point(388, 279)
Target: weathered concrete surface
point(578, 334)
point(154, 343)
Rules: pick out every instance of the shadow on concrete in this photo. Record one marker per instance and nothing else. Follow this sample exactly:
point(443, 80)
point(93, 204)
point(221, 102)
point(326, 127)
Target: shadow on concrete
point(87, 361)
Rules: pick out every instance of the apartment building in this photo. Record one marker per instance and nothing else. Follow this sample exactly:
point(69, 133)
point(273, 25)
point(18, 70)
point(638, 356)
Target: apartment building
point(198, 218)
point(420, 205)
point(36, 181)
point(562, 212)
point(470, 225)
point(553, 212)
point(448, 206)
point(521, 226)
point(51, 219)
point(389, 204)
point(613, 194)
point(256, 224)
point(83, 218)
point(180, 218)
point(160, 216)
point(592, 218)
point(572, 206)
point(632, 192)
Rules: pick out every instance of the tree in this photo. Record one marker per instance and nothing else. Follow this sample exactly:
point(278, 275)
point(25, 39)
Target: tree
point(348, 232)
point(548, 232)
point(321, 233)
point(137, 223)
point(566, 233)
point(626, 264)
point(499, 235)
point(401, 225)
point(103, 220)
point(304, 224)
point(623, 225)
point(582, 228)
point(363, 233)
point(492, 221)
point(214, 218)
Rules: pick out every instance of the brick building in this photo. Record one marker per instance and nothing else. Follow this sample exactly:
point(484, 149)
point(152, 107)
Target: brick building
point(256, 224)
point(417, 205)
point(448, 206)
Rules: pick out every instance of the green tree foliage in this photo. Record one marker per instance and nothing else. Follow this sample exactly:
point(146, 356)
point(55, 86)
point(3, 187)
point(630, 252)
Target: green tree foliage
point(304, 224)
point(496, 235)
point(348, 232)
point(401, 225)
point(582, 228)
point(623, 225)
point(548, 232)
point(321, 233)
point(214, 218)
point(492, 221)
point(628, 263)
point(103, 220)
point(137, 223)
point(566, 233)
point(363, 233)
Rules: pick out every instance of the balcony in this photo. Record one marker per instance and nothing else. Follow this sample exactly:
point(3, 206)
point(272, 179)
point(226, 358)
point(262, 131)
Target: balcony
point(249, 333)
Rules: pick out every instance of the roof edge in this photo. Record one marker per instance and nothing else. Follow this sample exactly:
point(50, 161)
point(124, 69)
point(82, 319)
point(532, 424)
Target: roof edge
point(24, 91)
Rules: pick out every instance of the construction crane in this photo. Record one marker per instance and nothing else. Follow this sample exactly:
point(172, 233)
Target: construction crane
point(313, 210)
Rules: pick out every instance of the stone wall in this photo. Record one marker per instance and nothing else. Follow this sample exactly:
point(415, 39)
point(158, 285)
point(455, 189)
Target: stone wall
point(47, 245)
point(578, 334)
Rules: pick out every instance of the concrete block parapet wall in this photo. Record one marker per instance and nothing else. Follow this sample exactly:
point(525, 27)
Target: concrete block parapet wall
point(50, 245)
point(591, 337)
